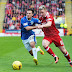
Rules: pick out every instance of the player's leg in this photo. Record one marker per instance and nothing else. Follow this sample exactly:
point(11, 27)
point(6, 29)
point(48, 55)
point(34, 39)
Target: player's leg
point(32, 41)
point(37, 49)
point(59, 43)
point(32, 44)
point(66, 54)
point(31, 52)
point(40, 50)
point(46, 44)
point(27, 46)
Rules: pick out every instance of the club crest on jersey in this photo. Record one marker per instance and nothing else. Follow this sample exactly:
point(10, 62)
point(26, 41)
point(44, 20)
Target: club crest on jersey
point(39, 21)
point(32, 22)
point(48, 19)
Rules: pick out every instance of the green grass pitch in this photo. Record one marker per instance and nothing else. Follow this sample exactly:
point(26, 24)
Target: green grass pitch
point(12, 49)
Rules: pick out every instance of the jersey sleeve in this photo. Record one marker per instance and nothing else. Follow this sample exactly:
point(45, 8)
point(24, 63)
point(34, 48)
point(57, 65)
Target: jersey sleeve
point(50, 18)
point(37, 21)
point(24, 23)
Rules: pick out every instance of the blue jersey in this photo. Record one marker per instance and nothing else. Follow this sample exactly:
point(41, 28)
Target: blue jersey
point(24, 23)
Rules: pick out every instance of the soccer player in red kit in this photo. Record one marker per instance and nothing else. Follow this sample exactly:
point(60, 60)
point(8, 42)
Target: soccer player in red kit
point(51, 34)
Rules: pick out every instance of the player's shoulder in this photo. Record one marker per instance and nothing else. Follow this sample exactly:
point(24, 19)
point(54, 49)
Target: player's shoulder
point(34, 19)
point(49, 16)
point(24, 18)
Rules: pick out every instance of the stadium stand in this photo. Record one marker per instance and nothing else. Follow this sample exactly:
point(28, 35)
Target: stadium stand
point(16, 9)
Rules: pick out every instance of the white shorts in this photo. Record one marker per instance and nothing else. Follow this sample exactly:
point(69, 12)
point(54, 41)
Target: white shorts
point(27, 42)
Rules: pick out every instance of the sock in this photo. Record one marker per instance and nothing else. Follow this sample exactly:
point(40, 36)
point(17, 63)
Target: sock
point(37, 49)
point(49, 50)
point(67, 57)
point(34, 53)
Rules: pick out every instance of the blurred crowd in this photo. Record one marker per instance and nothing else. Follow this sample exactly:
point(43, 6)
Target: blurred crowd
point(16, 9)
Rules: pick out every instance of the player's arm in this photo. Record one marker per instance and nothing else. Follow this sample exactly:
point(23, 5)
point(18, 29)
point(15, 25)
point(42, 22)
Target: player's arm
point(33, 27)
point(30, 27)
point(48, 24)
point(26, 26)
point(37, 22)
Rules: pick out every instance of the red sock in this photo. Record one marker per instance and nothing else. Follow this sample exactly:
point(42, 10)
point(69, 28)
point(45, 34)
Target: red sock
point(67, 56)
point(49, 50)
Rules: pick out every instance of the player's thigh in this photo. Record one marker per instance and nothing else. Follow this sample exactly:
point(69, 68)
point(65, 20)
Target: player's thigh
point(58, 41)
point(45, 43)
point(27, 45)
point(32, 40)
point(32, 44)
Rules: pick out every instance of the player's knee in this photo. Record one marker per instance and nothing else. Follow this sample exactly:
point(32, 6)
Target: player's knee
point(32, 44)
point(44, 43)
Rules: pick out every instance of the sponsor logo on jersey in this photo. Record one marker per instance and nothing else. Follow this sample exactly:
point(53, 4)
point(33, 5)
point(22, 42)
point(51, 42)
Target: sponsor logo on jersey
point(40, 21)
point(25, 24)
point(48, 19)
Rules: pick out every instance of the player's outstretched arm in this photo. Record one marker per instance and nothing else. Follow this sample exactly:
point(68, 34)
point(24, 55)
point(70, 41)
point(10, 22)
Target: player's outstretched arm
point(31, 27)
point(48, 24)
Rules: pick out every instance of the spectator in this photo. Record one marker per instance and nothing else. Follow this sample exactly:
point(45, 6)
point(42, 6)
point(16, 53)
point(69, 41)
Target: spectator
point(14, 18)
point(16, 9)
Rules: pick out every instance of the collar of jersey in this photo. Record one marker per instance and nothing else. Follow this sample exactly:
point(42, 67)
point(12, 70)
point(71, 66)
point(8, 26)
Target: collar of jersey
point(47, 14)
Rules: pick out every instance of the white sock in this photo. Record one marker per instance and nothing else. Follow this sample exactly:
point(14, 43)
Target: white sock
point(55, 56)
point(34, 53)
point(37, 49)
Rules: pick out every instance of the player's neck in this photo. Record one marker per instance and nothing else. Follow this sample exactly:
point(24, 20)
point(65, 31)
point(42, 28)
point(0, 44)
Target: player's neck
point(29, 18)
point(46, 13)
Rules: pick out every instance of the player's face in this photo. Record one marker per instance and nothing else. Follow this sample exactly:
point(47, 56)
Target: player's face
point(43, 12)
point(29, 14)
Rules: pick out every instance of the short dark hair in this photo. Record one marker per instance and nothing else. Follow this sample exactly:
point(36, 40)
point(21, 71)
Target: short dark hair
point(31, 10)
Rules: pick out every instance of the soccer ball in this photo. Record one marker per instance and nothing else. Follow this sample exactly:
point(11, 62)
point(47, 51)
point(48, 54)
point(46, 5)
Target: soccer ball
point(16, 65)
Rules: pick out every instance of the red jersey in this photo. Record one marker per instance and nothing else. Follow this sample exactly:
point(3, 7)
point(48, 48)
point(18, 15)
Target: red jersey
point(49, 30)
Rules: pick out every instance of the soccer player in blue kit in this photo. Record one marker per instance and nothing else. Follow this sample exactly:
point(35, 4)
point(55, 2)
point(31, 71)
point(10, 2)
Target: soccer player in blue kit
point(28, 36)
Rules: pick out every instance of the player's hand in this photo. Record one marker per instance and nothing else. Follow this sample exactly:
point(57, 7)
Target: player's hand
point(36, 27)
point(40, 26)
